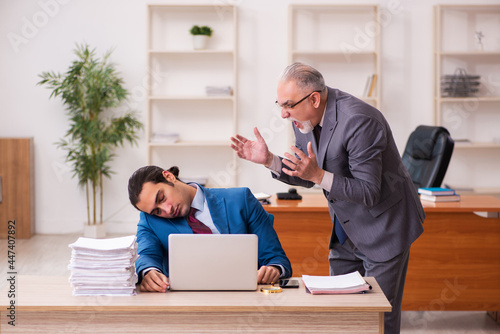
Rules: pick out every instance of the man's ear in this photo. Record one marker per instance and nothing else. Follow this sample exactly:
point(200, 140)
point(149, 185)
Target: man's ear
point(169, 176)
point(316, 99)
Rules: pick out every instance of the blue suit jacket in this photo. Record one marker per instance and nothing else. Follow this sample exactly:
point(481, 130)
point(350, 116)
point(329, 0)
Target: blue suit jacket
point(233, 211)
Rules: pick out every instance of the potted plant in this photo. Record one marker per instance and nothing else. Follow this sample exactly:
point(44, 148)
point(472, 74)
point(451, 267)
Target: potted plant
point(90, 90)
point(200, 36)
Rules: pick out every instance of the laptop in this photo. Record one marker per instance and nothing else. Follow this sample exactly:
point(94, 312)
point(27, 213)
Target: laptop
point(213, 261)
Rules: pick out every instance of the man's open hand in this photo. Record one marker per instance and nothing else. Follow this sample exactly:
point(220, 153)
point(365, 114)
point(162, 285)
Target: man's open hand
point(252, 150)
point(303, 165)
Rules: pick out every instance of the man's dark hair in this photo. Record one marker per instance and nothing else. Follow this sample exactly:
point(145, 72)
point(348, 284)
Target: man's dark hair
point(147, 174)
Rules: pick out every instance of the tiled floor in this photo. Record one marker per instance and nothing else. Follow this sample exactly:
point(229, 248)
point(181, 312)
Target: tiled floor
point(448, 322)
point(50, 255)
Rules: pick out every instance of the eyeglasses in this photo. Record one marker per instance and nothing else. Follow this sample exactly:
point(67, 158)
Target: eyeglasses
point(285, 106)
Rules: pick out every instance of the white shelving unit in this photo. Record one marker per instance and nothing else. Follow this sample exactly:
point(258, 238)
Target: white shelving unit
point(472, 121)
point(177, 99)
point(342, 42)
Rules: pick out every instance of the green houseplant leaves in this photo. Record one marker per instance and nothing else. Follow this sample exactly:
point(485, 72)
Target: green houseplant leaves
point(203, 30)
point(90, 90)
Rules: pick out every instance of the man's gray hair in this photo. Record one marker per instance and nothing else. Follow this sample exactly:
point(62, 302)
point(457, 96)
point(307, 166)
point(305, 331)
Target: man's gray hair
point(304, 75)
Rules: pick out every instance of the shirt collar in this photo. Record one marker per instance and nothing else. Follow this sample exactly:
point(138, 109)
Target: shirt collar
point(323, 117)
point(199, 198)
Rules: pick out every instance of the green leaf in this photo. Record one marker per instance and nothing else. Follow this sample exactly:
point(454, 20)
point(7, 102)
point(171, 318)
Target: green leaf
point(90, 87)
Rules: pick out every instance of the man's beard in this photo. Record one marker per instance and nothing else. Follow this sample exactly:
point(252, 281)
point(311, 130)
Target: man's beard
point(306, 126)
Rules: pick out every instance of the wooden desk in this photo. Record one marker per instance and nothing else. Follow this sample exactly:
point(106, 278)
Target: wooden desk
point(46, 305)
point(454, 265)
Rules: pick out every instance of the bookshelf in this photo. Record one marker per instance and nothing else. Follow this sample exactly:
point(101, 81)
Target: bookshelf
point(472, 118)
point(342, 42)
point(186, 125)
point(467, 38)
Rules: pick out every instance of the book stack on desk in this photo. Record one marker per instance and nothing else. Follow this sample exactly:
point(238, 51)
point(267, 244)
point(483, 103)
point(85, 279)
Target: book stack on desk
point(436, 194)
point(103, 266)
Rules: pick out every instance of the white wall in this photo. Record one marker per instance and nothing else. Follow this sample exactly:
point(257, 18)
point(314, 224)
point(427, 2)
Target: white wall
point(40, 35)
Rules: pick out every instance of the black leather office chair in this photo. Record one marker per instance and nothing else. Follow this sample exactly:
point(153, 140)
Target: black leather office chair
point(427, 155)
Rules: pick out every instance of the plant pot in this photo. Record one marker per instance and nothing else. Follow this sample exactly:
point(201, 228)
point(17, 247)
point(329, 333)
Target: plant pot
point(200, 42)
point(97, 231)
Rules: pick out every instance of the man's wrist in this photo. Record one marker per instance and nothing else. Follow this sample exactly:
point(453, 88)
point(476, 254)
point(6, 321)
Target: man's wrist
point(280, 268)
point(320, 177)
point(145, 271)
point(327, 181)
point(269, 159)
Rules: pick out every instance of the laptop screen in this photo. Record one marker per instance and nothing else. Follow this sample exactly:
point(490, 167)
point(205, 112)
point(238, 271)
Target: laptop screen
point(213, 261)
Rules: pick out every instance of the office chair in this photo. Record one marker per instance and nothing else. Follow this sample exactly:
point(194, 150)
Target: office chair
point(427, 155)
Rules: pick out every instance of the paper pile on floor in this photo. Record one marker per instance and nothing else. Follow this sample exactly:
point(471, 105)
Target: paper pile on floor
point(103, 266)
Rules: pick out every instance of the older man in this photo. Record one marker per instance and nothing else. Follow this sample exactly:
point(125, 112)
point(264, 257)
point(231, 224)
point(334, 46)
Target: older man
point(346, 146)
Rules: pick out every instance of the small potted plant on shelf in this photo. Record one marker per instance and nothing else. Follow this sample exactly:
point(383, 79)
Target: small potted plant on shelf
point(91, 90)
point(200, 36)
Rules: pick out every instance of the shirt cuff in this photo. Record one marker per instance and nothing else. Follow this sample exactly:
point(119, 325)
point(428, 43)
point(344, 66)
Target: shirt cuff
point(145, 271)
point(327, 181)
point(282, 269)
point(275, 166)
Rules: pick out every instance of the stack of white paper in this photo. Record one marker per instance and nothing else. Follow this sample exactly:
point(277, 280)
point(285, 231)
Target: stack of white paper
point(103, 266)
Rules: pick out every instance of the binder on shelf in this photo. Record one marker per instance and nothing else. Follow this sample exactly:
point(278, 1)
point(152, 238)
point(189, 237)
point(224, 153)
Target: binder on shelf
point(436, 191)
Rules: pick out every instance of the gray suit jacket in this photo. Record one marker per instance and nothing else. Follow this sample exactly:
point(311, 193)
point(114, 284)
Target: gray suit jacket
point(372, 193)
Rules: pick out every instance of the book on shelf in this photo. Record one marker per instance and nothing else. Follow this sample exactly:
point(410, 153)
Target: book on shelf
point(219, 90)
point(436, 191)
point(370, 85)
point(348, 283)
point(367, 85)
point(440, 198)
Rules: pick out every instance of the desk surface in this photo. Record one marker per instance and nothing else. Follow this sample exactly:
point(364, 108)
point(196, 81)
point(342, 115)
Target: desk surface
point(54, 293)
point(46, 305)
point(318, 203)
point(454, 264)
